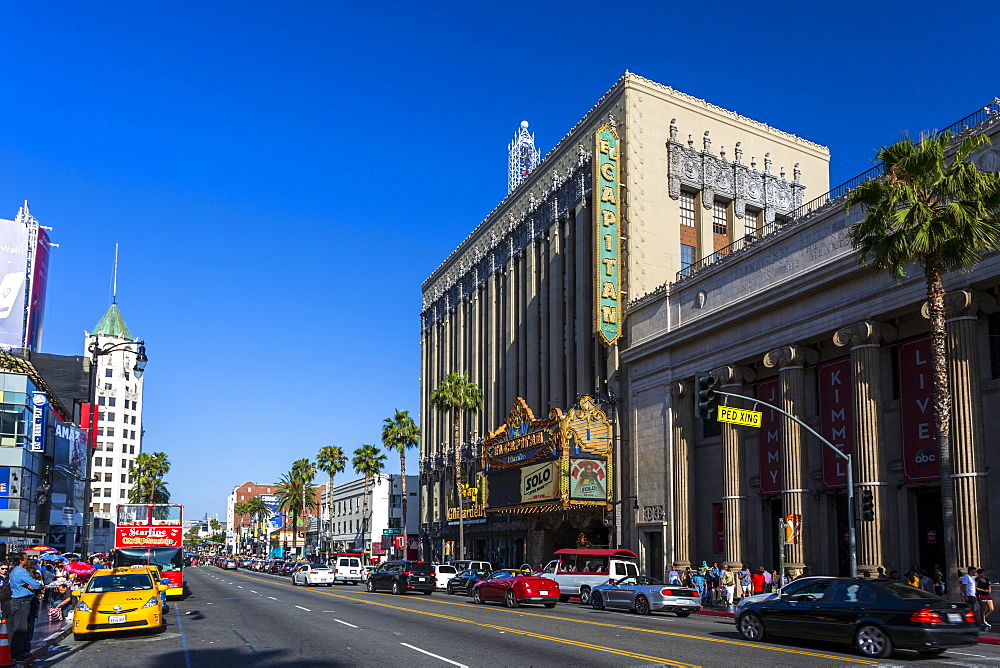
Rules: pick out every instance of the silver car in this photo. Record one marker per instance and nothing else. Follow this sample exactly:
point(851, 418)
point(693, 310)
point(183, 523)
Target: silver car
point(644, 595)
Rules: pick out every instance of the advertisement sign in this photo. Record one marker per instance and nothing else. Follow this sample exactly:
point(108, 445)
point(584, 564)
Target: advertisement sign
point(769, 438)
point(149, 536)
point(607, 238)
point(540, 482)
point(39, 283)
point(67, 496)
point(89, 417)
point(4, 487)
point(587, 479)
point(274, 521)
point(13, 271)
point(40, 403)
point(793, 529)
point(916, 411)
point(836, 418)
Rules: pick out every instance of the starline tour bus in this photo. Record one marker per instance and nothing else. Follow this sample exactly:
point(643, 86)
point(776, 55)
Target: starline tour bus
point(151, 534)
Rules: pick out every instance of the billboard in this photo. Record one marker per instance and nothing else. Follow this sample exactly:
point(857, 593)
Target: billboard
point(916, 411)
point(39, 283)
point(587, 479)
point(607, 243)
point(540, 482)
point(149, 536)
point(274, 521)
point(39, 411)
point(13, 271)
point(70, 455)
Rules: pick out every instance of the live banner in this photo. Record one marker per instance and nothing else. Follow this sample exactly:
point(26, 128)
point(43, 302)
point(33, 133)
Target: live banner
point(916, 411)
point(769, 437)
point(836, 418)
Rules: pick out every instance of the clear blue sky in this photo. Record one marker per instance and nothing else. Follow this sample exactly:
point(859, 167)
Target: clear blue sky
point(283, 176)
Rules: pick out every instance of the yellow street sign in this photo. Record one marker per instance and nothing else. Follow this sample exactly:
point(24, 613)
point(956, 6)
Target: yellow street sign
point(740, 416)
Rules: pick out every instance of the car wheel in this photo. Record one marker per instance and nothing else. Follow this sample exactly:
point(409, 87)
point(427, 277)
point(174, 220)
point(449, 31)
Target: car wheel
point(751, 626)
point(873, 642)
point(550, 604)
point(395, 588)
point(371, 586)
point(585, 595)
point(597, 601)
point(683, 614)
point(641, 605)
point(449, 591)
point(477, 598)
point(511, 599)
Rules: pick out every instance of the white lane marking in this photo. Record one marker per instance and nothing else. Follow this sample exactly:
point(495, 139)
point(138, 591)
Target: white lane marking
point(329, 611)
point(240, 586)
point(272, 598)
point(252, 591)
point(440, 658)
point(301, 608)
point(981, 656)
point(339, 621)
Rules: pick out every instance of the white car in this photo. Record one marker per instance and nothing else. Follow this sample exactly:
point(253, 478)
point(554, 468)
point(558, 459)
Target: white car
point(347, 569)
point(443, 573)
point(313, 574)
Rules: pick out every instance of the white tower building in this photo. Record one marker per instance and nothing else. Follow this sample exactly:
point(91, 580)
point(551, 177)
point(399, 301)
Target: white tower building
point(119, 430)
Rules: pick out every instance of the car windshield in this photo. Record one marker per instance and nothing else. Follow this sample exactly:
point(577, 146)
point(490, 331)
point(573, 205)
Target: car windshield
point(900, 590)
point(104, 584)
point(418, 567)
point(319, 567)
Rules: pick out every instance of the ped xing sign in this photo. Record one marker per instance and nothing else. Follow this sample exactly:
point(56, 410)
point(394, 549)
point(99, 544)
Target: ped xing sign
point(740, 416)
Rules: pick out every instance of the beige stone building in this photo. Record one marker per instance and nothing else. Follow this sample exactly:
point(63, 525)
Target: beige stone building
point(526, 302)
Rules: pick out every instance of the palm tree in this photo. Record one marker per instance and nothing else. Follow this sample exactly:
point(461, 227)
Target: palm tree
point(291, 492)
point(400, 433)
point(456, 393)
point(304, 468)
point(147, 473)
point(330, 460)
point(257, 509)
point(369, 462)
point(239, 508)
point(941, 214)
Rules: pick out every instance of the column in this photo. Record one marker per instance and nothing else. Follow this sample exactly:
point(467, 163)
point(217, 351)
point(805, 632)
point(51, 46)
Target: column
point(791, 361)
point(864, 340)
point(492, 388)
point(734, 478)
point(584, 326)
point(510, 331)
point(682, 404)
point(530, 311)
point(557, 320)
point(968, 459)
point(544, 313)
point(569, 302)
point(475, 348)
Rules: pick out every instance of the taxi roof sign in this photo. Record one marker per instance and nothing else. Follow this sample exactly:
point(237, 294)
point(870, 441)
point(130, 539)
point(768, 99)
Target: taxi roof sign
point(740, 416)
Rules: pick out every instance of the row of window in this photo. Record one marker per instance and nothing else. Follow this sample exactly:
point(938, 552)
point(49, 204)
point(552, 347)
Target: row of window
point(720, 226)
point(110, 417)
point(110, 431)
point(110, 373)
point(134, 405)
point(110, 461)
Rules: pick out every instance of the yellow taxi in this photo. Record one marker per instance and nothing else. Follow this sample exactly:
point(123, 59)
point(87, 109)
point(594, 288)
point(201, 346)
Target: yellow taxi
point(118, 599)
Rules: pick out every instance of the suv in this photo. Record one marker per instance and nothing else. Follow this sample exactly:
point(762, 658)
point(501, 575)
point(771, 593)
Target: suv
point(346, 568)
point(401, 576)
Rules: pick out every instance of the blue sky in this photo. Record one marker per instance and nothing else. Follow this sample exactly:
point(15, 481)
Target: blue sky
point(283, 176)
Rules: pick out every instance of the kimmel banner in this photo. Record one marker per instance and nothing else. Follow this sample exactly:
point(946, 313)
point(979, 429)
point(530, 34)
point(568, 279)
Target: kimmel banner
point(149, 537)
point(769, 438)
point(836, 418)
point(916, 411)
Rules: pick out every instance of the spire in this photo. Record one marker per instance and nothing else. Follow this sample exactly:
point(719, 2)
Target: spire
point(114, 278)
point(523, 157)
point(113, 324)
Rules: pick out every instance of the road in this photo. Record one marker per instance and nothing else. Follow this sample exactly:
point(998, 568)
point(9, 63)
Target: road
point(242, 619)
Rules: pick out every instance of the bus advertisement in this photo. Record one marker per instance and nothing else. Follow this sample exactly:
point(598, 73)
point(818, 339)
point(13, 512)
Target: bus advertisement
point(152, 534)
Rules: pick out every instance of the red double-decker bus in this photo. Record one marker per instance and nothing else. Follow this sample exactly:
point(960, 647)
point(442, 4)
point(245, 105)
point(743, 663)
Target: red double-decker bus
point(152, 534)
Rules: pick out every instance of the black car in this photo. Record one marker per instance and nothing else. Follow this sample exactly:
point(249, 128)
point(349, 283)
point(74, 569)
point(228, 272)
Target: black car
point(464, 580)
point(878, 616)
point(289, 567)
point(400, 577)
point(274, 568)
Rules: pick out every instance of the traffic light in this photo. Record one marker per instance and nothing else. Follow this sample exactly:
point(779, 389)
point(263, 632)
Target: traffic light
point(867, 505)
point(706, 401)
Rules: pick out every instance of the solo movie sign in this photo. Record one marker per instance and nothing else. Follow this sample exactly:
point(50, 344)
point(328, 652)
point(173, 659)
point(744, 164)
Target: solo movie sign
point(586, 479)
point(149, 537)
point(539, 483)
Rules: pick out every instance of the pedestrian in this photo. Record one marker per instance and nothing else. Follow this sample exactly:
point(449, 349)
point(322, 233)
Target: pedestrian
point(700, 582)
point(728, 585)
point(927, 582)
point(673, 577)
point(775, 580)
point(768, 581)
point(686, 578)
point(744, 583)
point(985, 596)
point(969, 589)
point(881, 574)
point(22, 589)
point(62, 604)
point(758, 581)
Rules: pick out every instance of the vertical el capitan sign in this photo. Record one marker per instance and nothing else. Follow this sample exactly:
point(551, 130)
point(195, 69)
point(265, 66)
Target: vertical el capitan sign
point(607, 234)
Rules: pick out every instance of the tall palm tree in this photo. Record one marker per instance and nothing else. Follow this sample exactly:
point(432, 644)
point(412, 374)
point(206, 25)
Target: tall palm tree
point(369, 462)
point(239, 509)
point(257, 510)
point(147, 473)
point(935, 208)
point(400, 433)
point(305, 468)
point(331, 460)
point(456, 393)
point(291, 491)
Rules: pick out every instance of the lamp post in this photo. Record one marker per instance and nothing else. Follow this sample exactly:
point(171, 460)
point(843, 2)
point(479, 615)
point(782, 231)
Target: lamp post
point(96, 351)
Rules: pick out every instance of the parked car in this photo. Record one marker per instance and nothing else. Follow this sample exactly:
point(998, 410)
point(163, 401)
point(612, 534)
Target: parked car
point(347, 568)
point(289, 567)
point(878, 616)
point(466, 564)
point(123, 599)
point(229, 564)
point(313, 574)
point(789, 588)
point(443, 573)
point(401, 576)
point(578, 571)
point(463, 581)
point(515, 590)
point(644, 595)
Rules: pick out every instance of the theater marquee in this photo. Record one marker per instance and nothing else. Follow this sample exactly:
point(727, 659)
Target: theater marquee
point(607, 237)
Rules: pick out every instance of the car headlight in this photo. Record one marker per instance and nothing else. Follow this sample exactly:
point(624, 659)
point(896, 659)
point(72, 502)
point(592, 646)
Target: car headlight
point(83, 607)
point(152, 602)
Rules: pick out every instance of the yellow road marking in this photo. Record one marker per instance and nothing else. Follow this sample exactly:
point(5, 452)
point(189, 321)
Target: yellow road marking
point(724, 641)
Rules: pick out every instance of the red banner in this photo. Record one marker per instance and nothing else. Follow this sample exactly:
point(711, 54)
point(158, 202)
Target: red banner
point(769, 437)
point(916, 411)
point(720, 528)
point(88, 423)
point(149, 537)
point(836, 418)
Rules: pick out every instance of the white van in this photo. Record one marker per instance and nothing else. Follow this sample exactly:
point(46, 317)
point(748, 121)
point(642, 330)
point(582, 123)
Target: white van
point(466, 564)
point(346, 568)
point(443, 573)
point(578, 571)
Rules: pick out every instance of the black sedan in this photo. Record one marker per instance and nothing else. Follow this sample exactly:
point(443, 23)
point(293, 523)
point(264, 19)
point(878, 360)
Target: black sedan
point(464, 581)
point(877, 616)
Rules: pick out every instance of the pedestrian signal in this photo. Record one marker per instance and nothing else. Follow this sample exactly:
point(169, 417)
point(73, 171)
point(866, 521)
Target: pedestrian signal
point(867, 505)
point(706, 402)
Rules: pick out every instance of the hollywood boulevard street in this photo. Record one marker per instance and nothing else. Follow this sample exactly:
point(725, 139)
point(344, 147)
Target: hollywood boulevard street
point(238, 618)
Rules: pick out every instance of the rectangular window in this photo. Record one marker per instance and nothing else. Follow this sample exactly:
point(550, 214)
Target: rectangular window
point(133, 422)
point(108, 373)
point(107, 477)
point(131, 449)
point(687, 257)
point(126, 375)
point(133, 435)
point(107, 386)
point(123, 478)
point(124, 466)
point(96, 508)
point(110, 431)
point(687, 209)
point(110, 448)
point(107, 507)
point(121, 493)
point(111, 401)
point(98, 445)
point(97, 461)
point(111, 417)
point(720, 223)
point(100, 431)
point(751, 223)
point(107, 491)
point(100, 401)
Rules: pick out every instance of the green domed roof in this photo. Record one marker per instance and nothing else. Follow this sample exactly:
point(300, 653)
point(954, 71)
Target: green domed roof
point(113, 324)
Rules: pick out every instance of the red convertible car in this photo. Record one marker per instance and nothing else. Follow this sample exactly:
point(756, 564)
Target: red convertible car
point(515, 588)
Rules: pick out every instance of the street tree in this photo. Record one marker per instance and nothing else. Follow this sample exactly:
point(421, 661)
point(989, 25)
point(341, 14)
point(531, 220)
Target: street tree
point(457, 394)
point(257, 510)
point(291, 491)
point(331, 460)
point(369, 462)
point(399, 434)
point(147, 472)
point(935, 208)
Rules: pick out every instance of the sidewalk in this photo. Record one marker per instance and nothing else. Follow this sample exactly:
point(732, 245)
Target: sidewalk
point(48, 634)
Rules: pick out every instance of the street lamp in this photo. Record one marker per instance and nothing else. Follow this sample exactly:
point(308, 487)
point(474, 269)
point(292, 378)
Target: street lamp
point(96, 351)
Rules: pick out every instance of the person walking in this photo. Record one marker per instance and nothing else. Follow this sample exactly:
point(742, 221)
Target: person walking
point(968, 583)
point(985, 596)
point(759, 580)
point(700, 582)
point(728, 585)
point(23, 588)
point(673, 577)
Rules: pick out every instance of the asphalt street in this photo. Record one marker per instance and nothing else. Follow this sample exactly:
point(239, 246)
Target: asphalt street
point(245, 619)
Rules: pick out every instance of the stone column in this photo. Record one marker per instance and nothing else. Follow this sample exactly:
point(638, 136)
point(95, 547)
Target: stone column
point(510, 331)
point(791, 361)
point(864, 340)
point(968, 459)
point(557, 320)
point(682, 404)
point(530, 311)
point(584, 324)
point(734, 469)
